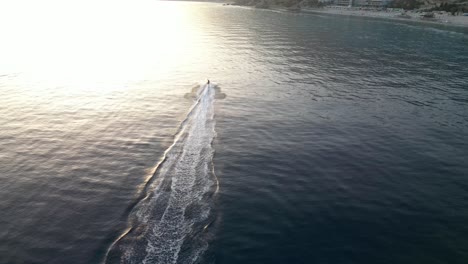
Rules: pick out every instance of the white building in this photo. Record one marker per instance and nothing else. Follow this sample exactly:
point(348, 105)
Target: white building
point(344, 3)
point(370, 3)
point(362, 3)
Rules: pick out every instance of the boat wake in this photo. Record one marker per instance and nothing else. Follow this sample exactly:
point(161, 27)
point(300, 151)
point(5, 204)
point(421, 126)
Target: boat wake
point(169, 224)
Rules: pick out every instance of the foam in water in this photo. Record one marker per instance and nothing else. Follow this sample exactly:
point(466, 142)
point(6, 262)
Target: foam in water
point(168, 224)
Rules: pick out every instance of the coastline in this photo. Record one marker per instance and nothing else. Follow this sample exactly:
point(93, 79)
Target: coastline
point(447, 20)
point(411, 17)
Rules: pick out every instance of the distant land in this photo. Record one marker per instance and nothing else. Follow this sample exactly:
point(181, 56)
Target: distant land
point(454, 7)
point(451, 12)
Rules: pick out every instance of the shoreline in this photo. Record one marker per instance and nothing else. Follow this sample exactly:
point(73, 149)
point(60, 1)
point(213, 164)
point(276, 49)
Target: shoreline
point(412, 17)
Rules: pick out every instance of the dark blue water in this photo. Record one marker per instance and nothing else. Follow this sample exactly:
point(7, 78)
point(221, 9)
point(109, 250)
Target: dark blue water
point(339, 140)
point(351, 148)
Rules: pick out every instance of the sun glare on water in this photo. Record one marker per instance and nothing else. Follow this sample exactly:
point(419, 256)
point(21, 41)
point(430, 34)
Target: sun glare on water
point(83, 43)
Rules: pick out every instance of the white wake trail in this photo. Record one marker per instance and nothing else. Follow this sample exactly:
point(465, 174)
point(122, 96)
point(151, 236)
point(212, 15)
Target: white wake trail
point(191, 165)
point(177, 207)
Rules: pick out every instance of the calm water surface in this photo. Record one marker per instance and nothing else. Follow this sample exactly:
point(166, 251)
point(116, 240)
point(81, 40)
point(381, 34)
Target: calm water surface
point(340, 140)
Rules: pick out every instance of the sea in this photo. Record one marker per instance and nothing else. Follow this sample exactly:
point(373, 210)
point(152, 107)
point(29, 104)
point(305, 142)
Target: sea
point(319, 139)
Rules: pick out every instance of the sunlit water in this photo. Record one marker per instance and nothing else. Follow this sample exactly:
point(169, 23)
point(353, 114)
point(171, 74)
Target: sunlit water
point(340, 140)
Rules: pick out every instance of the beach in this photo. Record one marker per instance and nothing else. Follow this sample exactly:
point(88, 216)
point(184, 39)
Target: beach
point(439, 17)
